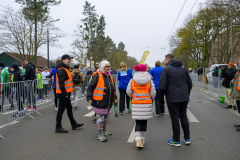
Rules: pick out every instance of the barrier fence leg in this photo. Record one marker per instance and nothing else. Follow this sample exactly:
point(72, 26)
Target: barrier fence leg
point(1, 137)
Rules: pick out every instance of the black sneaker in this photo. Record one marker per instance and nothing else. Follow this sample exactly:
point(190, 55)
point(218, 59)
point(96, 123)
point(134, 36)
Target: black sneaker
point(238, 128)
point(228, 107)
point(236, 125)
point(61, 130)
point(234, 108)
point(77, 125)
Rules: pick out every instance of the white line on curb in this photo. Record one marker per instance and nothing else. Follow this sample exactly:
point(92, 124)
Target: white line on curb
point(191, 117)
point(132, 136)
point(90, 114)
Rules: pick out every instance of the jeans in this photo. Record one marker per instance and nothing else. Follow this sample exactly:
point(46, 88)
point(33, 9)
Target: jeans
point(40, 93)
point(179, 111)
point(45, 89)
point(30, 94)
point(123, 94)
point(159, 104)
point(64, 103)
point(76, 94)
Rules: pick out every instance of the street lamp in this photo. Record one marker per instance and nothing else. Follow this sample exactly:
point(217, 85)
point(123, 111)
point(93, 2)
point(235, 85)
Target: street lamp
point(48, 38)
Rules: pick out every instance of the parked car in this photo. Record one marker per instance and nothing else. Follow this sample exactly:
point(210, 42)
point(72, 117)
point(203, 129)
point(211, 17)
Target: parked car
point(210, 73)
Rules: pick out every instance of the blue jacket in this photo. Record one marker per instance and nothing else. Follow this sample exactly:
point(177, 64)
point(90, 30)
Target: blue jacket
point(156, 72)
point(124, 78)
point(54, 72)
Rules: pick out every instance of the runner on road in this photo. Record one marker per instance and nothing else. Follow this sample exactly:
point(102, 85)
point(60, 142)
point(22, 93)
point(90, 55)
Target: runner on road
point(176, 84)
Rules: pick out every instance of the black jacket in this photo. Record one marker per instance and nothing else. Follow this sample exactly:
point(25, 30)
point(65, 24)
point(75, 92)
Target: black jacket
point(62, 77)
point(17, 75)
point(175, 82)
point(89, 73)
point(200, 71)
point(108, 98)
point(228, 75)
point(30, 72)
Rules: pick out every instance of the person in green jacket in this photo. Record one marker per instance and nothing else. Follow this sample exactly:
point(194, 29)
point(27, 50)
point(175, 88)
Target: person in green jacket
point(24, 70)
point(5, 89)
point(39, 84)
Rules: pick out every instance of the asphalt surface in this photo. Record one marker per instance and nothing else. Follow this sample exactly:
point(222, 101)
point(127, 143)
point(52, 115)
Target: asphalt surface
point(213, 137)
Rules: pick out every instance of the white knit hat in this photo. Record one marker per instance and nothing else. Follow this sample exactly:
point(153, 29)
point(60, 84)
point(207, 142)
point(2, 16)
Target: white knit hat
point(103, 64)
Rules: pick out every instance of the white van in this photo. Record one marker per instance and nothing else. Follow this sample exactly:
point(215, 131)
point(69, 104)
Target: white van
point(209, 75)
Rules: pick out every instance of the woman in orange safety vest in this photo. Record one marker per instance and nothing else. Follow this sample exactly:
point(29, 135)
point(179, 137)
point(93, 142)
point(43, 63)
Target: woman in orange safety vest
point(101, 94)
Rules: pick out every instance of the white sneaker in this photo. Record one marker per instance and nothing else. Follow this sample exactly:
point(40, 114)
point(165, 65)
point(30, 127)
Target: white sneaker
point(56, 108)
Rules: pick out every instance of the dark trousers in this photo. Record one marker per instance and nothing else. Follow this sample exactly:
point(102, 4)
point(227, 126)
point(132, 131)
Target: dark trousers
point(179, 111)
point(141, 126)
point(45, 89)
point(19, 100)
point(6, 92)
point(238, 106)
point(55, 97)
point(123, 94)
point(159, 104)
point(40, 93)
point(64, 103)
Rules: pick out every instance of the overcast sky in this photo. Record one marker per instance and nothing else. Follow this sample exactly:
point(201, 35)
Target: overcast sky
point(140, 24)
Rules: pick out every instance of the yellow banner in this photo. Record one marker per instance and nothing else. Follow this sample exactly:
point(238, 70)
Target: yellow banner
point(144, 57)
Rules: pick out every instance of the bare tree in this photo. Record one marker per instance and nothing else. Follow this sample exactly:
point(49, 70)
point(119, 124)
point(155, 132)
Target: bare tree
point(18, 34)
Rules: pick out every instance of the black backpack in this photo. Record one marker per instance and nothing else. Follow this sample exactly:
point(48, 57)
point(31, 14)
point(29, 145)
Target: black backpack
point(76, 79)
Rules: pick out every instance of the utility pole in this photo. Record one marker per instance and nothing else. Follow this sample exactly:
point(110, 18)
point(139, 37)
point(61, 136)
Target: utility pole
point(48, 39)
point(212, 51)
point(232, 35)
point(48, 46)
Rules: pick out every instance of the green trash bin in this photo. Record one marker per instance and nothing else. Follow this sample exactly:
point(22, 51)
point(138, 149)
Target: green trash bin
point(221, 99)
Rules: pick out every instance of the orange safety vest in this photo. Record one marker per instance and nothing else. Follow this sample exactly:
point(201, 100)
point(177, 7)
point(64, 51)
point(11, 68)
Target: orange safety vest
point(98, 92)
point(238, 87)
point(68, 83)
point(141, 93)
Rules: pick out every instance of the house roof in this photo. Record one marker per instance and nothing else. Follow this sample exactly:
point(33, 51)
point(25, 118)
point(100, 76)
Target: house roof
point(41, 61)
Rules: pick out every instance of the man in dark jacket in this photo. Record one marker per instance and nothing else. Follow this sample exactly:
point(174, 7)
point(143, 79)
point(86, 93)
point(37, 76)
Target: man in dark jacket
point(18, 88)
point(64, 97)
point(228, 75)
point(176, 84)
point(30, 75)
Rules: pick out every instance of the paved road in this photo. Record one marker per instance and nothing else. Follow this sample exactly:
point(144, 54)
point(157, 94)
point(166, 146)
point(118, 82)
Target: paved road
point(212, 134)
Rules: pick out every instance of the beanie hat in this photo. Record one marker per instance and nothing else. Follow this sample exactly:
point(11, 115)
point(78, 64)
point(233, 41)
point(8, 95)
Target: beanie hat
point(75, 67)
point(15, 66)
point(140, 67)
point(231, 64)
point(2, 64)
point(102, 65)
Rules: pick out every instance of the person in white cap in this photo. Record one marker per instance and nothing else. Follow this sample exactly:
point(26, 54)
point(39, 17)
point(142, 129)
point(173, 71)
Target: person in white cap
point(101, 93)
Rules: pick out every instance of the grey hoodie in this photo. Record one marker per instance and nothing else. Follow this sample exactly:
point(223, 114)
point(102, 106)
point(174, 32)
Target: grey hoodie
point(142, 111)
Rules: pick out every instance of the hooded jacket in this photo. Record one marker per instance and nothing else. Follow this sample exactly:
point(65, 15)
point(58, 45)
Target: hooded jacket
point(30, 73)
point(175, 83)
point(17, 75)
point(77, 71)
point(142, 111)
point(107, 101)
point(62, 77)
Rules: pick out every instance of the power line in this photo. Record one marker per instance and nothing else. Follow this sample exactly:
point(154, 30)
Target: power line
point(189, 12)
point(175, 21)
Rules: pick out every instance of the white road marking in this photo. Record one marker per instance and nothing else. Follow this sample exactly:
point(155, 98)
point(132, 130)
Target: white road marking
point(90, 114)
point(191, 117)
point(89, 107)
point(132, 136)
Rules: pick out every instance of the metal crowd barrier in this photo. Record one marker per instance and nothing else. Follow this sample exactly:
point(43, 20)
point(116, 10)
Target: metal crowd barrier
point(18, 100)
point(211, 85)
